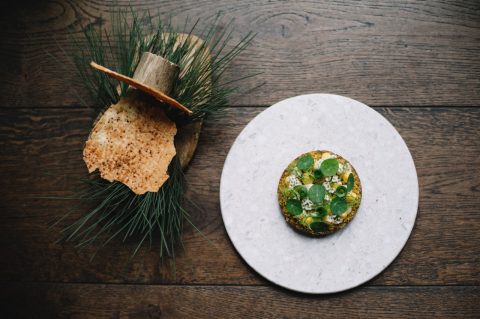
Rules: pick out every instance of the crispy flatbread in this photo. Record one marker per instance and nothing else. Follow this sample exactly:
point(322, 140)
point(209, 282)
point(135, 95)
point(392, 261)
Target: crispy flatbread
point(133, 143)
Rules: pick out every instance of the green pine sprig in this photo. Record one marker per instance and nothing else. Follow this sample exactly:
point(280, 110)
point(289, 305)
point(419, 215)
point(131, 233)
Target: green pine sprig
point(118, 212)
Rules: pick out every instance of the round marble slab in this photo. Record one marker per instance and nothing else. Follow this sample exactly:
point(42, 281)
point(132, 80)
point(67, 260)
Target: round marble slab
point(351, 256)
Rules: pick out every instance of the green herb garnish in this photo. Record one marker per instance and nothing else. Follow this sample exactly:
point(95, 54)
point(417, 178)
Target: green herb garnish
point(319, 226)
point(301, 191)
point(350, 182)
point(341, 191)
point(294, 206)
point(305, 162)
point(317, 174)
point(320, 212)
point(329, 167)
point(338, 205)
point(316, 193)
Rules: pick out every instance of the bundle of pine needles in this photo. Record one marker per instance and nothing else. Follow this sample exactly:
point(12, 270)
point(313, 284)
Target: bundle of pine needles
point(118, 212)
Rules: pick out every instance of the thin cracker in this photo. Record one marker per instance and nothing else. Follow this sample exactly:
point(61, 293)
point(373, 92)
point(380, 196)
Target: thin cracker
point(132, 143)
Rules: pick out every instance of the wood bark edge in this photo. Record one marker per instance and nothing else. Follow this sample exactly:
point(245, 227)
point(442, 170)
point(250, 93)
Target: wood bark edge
point(143, 87)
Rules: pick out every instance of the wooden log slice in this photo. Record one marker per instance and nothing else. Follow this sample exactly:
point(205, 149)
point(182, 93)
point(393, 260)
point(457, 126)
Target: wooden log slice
point(186, 140)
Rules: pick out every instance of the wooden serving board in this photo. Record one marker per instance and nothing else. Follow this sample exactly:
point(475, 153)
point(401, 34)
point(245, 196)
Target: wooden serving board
point(186, 140)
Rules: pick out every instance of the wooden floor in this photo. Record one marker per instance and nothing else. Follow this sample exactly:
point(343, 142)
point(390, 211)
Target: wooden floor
point(417, 63)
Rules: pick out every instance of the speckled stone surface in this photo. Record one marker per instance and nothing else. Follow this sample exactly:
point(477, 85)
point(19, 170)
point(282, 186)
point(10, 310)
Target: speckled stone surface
point(349, 257)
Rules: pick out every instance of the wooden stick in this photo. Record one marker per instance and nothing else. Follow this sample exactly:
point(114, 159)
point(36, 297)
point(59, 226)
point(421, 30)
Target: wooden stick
point(145, 88)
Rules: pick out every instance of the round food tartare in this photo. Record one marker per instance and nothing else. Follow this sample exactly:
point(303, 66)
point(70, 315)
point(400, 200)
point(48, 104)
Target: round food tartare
point(319, 193)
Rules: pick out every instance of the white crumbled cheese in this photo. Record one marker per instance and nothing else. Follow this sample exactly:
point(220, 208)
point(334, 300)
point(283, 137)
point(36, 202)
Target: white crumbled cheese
point(328, 187)
point(330, 219)
point(293, 181)
point(319, 162)
point(347, 167)
point(335, 179)
point(330, 156)
point(296, 172)
point(307, 204)
point(327, 198)
point(341, 168)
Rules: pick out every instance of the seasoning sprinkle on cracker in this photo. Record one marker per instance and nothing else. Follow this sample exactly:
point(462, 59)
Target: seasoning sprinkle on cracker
point(132, 143)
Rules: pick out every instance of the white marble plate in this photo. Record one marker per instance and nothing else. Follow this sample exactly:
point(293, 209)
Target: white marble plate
point(351, 256)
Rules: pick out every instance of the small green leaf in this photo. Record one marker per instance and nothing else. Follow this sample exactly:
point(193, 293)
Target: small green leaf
point(350, 182)
point(305, 162)
point(294, 206)
point(320, 212)
point(341, 191)
point(316, 193)
point(301, 190)
point(338, 205)
point(317, 174)
point(329, 167)
point(319, 226)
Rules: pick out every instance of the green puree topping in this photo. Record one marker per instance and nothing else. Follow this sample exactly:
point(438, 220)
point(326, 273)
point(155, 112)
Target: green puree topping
point(319, 190)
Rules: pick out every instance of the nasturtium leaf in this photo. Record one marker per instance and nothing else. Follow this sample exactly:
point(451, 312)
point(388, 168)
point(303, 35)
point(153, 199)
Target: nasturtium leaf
point(301, 190)
point(294, 206)
point(305, 162)
point(320, 212)
point(317, 174)
point(338, 205)
point(319, 226)
point(350, 182)
point(329, 167)
point(316, 193)
point(341, 191)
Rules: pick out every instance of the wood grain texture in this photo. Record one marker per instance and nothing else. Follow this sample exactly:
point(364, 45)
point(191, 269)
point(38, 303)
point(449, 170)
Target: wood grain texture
point(40, 152)
point(393, 53)
point(141, 301)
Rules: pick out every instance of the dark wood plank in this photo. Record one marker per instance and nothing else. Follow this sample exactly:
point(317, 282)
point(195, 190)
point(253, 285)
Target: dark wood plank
point(389, 53)
point(40, 155)
point(148, 301)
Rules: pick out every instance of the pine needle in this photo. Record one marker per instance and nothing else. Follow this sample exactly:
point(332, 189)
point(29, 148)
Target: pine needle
point(118, 212)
